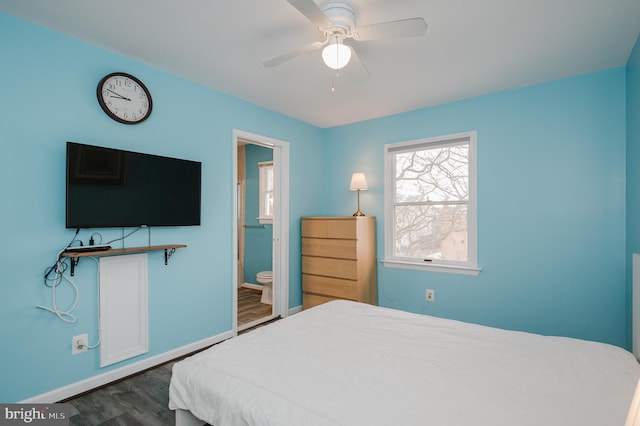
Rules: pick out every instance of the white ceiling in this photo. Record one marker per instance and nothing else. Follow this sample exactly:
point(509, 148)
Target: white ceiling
point(471, 47)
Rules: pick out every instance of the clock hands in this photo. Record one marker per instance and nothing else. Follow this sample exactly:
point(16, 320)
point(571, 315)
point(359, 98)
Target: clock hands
point(118, 95)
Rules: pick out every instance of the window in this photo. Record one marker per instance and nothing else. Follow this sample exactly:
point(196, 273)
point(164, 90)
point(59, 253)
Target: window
point(266, 191)
point(430, 204)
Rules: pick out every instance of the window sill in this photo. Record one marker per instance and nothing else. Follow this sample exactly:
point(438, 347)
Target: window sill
point(265, 220)
point(448, 269)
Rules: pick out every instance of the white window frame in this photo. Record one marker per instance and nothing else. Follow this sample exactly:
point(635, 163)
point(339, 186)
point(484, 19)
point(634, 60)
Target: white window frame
point(470, 267)
point(263, 217)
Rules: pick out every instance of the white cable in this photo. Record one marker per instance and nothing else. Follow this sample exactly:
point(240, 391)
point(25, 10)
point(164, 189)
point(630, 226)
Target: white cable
point(67, 315)
point(385, 295)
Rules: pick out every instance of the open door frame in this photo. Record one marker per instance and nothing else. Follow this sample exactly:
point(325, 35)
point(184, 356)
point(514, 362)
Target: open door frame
point(280, 222)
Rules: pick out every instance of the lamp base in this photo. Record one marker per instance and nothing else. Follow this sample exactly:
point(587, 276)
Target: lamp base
point(358, 213)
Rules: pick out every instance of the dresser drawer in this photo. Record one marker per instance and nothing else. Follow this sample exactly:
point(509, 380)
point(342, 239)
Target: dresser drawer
point(336, 287)
point(328, 247)
point(328, 267)
point(329, 228)
point(311, 300)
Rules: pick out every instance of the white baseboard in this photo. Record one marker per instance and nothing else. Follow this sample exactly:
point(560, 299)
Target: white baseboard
point(259, 287)
point(294, 310)
point(128, 370)
point(252, 286)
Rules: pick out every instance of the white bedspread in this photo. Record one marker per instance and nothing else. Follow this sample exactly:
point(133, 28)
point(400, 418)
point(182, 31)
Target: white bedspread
point(345, 363)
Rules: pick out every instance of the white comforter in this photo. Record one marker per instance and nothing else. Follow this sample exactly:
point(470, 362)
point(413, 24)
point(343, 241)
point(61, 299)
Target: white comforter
point(345, 363)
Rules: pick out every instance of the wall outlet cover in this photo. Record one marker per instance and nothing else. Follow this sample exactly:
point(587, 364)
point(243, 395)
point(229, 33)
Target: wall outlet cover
point(79, 344)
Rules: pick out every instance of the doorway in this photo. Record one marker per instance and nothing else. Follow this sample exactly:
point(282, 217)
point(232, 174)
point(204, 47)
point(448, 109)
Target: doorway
point(261, 199)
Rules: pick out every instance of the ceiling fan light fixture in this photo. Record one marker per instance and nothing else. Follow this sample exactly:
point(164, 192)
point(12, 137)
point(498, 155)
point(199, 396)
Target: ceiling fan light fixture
point(336, 55)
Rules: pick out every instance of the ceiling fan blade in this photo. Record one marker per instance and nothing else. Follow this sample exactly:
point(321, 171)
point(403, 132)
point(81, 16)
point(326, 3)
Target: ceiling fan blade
point(413, 27)
point(360, 70)
point(293, 54)
point(356, 69)
point(313, 13)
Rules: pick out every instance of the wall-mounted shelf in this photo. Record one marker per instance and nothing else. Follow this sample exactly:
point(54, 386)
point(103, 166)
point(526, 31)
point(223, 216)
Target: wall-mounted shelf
point(74, 257)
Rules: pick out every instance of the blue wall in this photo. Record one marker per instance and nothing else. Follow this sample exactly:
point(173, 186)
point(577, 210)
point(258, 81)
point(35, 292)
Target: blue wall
point(551, 209)
point(551, 206)
point(633, 167)
point(48, 85)
point(258, 248)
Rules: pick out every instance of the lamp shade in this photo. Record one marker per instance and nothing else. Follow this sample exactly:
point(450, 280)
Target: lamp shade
point(358, 182)
point(336, 55)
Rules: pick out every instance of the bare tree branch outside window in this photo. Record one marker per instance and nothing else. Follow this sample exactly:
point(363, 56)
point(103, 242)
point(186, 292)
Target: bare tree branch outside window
point(431, 197)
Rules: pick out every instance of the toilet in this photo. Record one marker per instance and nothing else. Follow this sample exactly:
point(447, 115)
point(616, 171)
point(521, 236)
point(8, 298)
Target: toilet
point(266, 279)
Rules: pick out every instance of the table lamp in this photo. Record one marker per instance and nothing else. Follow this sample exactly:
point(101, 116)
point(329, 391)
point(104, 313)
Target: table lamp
point(358, 183)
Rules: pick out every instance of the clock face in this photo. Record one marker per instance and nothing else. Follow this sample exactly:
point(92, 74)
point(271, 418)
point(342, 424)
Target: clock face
point(124, 98)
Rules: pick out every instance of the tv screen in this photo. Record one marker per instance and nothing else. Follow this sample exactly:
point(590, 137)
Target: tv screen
point(114, 188)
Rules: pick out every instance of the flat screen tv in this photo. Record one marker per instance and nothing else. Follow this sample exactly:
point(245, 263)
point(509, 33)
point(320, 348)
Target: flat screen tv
point(108, 187)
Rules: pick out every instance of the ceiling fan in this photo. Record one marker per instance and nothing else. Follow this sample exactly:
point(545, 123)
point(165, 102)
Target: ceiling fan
point(336, 20)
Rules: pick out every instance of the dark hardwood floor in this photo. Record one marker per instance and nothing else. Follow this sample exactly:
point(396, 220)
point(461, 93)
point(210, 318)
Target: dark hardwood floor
point(143, 399)
point(140, 400)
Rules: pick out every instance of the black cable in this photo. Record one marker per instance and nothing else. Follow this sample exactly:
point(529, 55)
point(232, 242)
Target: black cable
point(74, 238)
point(92, 240)
point(59, 266)
point(124, 236)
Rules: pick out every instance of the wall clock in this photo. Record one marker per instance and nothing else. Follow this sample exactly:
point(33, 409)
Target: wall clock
point(124, 98)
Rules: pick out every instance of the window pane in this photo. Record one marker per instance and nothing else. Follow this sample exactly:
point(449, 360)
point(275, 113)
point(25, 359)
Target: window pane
point(266, 189)
point(431, 232)
point(437, 174)
point(269, 178)
point(268, 204)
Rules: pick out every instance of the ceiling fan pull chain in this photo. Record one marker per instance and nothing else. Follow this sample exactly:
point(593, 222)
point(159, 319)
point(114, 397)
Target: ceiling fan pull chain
point(337, 74)
point(337, 58)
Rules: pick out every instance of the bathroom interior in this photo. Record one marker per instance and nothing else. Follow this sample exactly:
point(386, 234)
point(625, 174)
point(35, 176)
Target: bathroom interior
point(255, 234)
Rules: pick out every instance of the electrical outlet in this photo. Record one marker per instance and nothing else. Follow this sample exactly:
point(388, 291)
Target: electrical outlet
point(79, 344)
point(430, 295)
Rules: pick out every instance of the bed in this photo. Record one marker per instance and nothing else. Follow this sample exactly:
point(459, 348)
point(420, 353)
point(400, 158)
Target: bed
point(348, 363)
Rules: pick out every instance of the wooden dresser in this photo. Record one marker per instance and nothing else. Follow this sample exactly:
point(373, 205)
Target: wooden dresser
point(338, 259)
